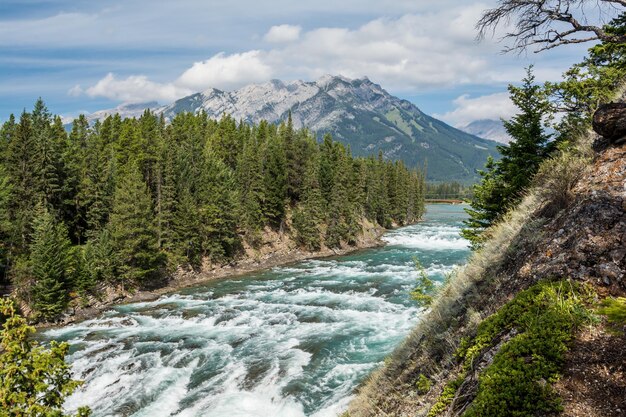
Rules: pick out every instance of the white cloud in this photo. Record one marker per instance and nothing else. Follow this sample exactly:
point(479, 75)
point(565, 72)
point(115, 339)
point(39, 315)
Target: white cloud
point(133, 89)
point(226, 71)
point(467, 110)
point(283, 34)
point(408, 54)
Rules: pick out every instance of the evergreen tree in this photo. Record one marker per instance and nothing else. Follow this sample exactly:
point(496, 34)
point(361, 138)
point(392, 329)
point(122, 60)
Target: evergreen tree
point(308, 216)
point(504, 181)
point(50, 261)
point(274, 181)
point(217, 209)
point(6, 228)
point(133, 234)
point(249, 176)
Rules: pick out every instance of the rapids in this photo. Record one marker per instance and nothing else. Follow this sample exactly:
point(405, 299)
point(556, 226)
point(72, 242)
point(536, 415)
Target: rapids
point(292, 341)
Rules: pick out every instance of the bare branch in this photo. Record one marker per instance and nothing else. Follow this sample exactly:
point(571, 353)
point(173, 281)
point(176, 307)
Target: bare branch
point(549, 23)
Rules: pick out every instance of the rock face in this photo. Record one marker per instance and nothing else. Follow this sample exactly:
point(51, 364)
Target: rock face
point(357, 112)
point(609, 121)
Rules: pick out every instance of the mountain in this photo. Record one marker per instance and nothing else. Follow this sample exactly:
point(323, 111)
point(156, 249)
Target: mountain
point(488, 129)
point(358, 113)
point(124, 110)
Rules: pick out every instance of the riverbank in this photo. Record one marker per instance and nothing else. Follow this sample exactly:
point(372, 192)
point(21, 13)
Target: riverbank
point(276, 249)
point(289, 341)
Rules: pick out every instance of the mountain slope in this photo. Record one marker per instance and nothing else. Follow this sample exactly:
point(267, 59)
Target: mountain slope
point(488, 129)
point(357, 113)
point(569, 234)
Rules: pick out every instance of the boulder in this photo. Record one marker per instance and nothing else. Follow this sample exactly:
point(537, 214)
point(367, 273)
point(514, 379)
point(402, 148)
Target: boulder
point(609, 121)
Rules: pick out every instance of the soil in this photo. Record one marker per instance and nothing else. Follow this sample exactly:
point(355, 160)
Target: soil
point(594, 377)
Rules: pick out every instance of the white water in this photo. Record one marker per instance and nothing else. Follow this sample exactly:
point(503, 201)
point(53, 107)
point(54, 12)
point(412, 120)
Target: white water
point(294, 341)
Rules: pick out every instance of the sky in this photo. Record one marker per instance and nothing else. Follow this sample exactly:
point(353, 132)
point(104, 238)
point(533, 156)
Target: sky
point(82, 56)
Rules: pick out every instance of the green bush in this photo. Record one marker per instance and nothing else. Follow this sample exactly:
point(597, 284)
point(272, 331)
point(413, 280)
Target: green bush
point(423, 384)
point(538, 323)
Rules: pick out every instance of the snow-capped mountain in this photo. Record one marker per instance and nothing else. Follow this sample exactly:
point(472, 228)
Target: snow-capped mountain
point(488, 129)
point(356, 112)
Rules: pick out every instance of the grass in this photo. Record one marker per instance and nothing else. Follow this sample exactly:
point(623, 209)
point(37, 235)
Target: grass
point(614, 309)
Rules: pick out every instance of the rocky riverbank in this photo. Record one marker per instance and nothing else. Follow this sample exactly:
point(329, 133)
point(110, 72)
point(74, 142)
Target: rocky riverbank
point(275, 249)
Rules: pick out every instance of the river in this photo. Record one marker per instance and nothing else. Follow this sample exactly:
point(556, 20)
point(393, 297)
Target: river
point(291, 341)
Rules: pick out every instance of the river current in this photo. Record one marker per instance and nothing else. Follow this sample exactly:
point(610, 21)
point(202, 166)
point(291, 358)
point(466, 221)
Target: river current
point(292, 341)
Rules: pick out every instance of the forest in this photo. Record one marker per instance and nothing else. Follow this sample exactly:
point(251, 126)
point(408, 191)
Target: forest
point(124, 202)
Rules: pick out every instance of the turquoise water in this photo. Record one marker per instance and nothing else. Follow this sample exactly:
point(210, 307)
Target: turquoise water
point(292, 341)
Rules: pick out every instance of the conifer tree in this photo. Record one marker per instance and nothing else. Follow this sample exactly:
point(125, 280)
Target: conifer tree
point(133, 234)
point(50, 261)
point(6, 227)
point(503, 181)
point(249, 176)
point(274, 181)
point(308, 216)
point(217, 209)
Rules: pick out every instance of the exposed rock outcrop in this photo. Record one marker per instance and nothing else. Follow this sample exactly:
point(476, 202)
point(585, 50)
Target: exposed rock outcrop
point(609, 121)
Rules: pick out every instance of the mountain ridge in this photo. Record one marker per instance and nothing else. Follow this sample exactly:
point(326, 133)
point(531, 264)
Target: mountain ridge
point(357, 112)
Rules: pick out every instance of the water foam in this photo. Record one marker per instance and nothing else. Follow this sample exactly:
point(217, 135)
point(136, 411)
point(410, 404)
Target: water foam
point(291, 342)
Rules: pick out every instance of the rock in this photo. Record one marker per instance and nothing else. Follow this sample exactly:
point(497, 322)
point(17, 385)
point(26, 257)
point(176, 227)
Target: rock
point(609, 121)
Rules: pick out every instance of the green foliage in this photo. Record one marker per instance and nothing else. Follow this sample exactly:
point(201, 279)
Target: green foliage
point(504, 181)
point(590, 83)
point(446, 397)
point(423, 291)
point(33, 381)
point(140, 197)
point(50, 263)
point(615, 311)
point(308, 216)
point(423, 384)
point(533, 331)
point(133, 234)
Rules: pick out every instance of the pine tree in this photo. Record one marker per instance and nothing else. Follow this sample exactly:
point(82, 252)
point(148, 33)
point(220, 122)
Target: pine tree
point(6, 227)
point(21, 157)
point(50, 261)
point(308, 215)
point(503, 181)
point(274, 181)
point(249, 176)
point(133, 234)
point(216, 204)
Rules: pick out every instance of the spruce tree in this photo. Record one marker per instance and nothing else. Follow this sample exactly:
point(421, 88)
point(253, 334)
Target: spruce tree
point(308, 215)
point(133, 233)
point(50, 261)
point(504, 181)
point(274, 181)
point(249, 176)
point(6, 227)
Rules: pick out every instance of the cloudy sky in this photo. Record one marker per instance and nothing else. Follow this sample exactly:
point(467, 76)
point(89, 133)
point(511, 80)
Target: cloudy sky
point(83, 56)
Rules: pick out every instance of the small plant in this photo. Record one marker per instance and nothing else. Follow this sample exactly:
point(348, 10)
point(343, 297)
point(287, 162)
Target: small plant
point(446, 397)
point(423, 384)
point(425, 287)
point(615, 311)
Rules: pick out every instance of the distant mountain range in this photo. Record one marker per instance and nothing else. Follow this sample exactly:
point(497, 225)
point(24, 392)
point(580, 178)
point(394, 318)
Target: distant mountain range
point(488, 129)
point(356, 112)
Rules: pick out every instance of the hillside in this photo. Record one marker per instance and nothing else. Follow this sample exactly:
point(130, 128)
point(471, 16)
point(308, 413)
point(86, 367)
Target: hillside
point(357, 113)
point(528, 318)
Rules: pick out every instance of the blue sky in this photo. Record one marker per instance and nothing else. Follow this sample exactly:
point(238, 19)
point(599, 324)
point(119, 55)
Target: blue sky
point(83, 56)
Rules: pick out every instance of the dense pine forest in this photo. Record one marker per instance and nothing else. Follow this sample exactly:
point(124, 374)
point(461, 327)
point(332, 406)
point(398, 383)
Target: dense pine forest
point(126, 201)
